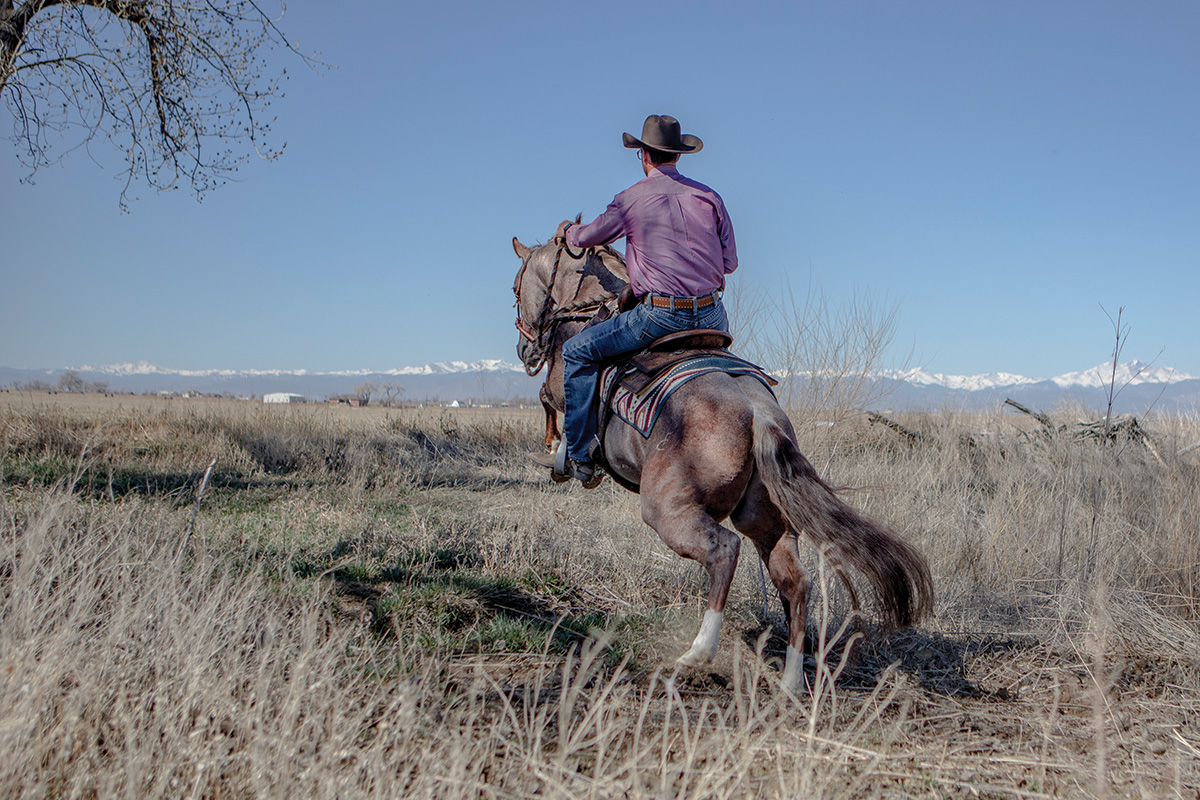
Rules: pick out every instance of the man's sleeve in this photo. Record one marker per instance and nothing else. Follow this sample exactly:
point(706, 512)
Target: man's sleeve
point(604, 229)
point(728, 245)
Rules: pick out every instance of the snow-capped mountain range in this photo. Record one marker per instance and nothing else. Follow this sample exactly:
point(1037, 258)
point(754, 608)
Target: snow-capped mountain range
point(1140, 386)
point(437, 368)
point(1131, 373)
point(1136, 386)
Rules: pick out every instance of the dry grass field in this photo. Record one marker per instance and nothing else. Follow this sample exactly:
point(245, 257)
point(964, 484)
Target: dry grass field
point(396, 603)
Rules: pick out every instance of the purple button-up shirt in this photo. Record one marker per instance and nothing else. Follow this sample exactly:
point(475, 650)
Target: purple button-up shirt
point(678, 237)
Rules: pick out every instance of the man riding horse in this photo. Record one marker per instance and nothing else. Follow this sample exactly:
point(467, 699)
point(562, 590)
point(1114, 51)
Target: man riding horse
point(717, 446)
point(679, 247)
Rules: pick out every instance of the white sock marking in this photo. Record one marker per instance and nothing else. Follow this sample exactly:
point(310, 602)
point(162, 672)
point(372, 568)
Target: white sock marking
point(793, 670)
point(704, 648)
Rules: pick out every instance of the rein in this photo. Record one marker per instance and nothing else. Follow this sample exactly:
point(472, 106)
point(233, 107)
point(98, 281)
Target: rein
point(542, 330)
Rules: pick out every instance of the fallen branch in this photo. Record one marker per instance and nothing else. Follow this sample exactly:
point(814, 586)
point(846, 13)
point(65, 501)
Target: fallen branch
point(1110, 430)
point(1189, 448)
point(1040, 417)
point(913, 436)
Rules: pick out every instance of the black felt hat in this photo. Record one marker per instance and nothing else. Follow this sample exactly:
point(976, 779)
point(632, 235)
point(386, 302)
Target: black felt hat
point(662, 133)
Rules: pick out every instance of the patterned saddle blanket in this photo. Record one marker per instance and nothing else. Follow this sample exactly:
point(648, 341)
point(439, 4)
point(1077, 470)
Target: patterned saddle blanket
point(637, 390)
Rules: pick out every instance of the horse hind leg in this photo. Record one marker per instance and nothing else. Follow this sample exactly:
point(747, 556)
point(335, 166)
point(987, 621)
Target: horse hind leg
point(790, 579)
point(794, 585)
point(760, 521)
point(704, 647)
point(693, 534)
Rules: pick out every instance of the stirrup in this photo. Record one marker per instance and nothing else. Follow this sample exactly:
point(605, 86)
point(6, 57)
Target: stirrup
point(564, 473)
point(561, 471)
point(560, 458)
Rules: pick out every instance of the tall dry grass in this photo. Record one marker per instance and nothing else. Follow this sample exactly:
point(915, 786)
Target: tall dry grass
point(1032, 518)
point(396, 602)
point(129, 669)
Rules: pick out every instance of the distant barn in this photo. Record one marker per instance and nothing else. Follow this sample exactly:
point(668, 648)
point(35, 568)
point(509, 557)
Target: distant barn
point(348, 400)
point(284, 397)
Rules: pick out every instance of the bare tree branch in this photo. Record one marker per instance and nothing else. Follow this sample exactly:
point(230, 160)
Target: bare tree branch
point(181, 87)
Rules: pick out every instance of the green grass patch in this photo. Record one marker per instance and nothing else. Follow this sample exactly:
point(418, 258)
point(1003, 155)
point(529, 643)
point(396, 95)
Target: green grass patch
point(21, 469)
point(444, 600)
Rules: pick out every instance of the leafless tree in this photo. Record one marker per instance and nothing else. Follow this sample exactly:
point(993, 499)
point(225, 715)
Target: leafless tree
point(70, 381)
point(182, 87)
point(826, 351)
point(391, 393)
point(364, 391)
point(481, 376)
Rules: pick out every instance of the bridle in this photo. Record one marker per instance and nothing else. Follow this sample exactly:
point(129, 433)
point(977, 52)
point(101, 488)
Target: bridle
point(541, 331)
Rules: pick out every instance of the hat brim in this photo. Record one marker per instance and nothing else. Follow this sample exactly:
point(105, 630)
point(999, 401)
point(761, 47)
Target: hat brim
point(692, 143)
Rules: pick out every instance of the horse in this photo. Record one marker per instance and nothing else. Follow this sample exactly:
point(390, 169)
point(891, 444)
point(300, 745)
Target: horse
point(722, 449)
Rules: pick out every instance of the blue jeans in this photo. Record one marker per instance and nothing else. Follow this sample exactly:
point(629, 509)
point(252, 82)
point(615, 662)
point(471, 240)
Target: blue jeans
point(585, 353)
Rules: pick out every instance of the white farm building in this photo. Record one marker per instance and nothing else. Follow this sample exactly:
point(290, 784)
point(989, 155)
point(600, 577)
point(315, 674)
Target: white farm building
point(284, 397)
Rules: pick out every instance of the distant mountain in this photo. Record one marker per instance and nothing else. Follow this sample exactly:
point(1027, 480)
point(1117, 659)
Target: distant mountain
point(1140, 386)
point(440, 382)
point(439, 368)
point(918, 376)
point(1131, 373)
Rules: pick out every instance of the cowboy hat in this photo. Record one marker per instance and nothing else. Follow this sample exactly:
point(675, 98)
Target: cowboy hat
point(662, 133)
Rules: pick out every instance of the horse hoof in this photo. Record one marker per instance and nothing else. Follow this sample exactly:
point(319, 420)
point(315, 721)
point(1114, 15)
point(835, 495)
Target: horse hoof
point(793, 671)
point(693, 658)
point(794, 683)
point(795, 687)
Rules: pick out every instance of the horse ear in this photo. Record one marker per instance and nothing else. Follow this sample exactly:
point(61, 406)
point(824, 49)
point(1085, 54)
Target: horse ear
point(521, 250)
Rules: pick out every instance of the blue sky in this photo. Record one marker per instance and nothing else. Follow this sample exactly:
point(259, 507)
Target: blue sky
point(998, 170)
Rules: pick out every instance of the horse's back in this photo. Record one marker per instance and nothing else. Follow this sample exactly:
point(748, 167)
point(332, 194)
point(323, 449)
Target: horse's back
point(701, 448)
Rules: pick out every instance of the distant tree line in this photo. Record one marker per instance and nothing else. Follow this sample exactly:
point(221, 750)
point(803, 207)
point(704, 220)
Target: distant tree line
point(387, 395)
point(69, 381)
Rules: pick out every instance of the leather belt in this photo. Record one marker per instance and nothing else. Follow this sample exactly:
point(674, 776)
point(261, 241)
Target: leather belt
point(681, 303)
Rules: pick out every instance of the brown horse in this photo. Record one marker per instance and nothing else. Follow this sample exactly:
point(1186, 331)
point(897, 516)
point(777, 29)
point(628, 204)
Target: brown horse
point(721, 449)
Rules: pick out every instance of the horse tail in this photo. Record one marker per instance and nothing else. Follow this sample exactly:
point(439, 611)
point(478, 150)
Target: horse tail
point(897, 572)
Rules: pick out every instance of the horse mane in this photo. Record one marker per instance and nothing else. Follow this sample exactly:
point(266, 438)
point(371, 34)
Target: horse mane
point(613, 262)
point(602, 277)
